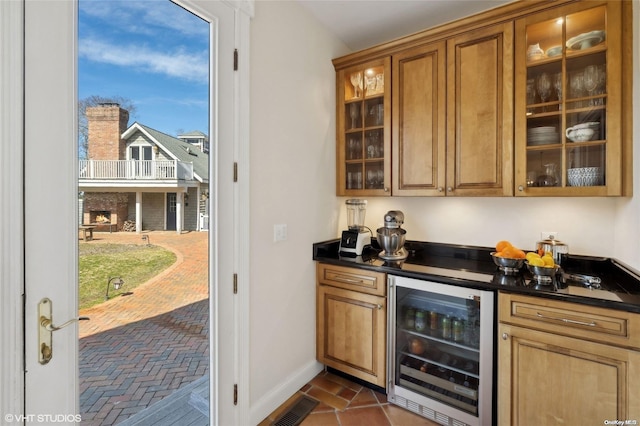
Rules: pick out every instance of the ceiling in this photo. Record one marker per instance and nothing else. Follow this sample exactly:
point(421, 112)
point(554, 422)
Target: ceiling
point(365, 23)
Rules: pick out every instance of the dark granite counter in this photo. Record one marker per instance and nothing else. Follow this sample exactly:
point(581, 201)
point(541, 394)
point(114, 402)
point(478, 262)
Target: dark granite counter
point(471, 266)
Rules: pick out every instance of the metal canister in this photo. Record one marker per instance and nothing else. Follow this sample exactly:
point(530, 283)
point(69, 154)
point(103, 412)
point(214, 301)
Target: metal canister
point(420, 323)
point(445, 327)
point(458, 330)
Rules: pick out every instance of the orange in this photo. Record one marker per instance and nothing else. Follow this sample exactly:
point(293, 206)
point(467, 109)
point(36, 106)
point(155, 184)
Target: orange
point(519, 254)
point(509, 252)
point(502, 245)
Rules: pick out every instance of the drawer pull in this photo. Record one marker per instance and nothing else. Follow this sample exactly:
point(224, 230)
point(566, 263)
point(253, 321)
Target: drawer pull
point(347, 279)
point(588, 324)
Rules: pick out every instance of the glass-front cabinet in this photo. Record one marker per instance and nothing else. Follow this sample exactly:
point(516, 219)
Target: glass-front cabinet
point(569, 138)
point(363, 129)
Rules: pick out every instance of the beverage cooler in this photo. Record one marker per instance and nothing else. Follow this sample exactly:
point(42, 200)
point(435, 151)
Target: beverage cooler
point(440, 351)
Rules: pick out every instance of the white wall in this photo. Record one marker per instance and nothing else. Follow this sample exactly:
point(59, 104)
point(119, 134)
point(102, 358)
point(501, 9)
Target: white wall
point(292, 183)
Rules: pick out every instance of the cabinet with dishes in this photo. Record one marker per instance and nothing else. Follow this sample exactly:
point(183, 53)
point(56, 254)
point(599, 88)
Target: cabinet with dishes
point(363, 123)
point(571, 122)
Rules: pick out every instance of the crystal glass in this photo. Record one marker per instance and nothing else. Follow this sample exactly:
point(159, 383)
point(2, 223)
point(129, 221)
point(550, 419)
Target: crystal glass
point(544, 86)
point(356, 81)
point(354, 113)
point(590, 80)
point(557, 84)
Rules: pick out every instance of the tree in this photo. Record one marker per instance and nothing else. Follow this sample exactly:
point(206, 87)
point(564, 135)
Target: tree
point(83, 126)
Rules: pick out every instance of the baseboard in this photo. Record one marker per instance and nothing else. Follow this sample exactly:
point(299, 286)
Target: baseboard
point(289, 386)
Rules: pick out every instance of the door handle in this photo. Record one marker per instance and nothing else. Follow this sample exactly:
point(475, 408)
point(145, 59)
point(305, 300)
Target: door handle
point(46, 329)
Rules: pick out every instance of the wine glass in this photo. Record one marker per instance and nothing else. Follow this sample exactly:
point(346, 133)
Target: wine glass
point(577, 85)
point(356, 81)
point(557, 84)
point(354, 113)
point(544, 87)
point(590, 80)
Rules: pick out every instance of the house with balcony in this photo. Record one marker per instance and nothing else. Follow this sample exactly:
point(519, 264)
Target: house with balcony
point(142, 177)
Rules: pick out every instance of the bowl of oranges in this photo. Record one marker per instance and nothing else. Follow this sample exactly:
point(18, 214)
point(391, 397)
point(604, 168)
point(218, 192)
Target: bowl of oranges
point(508, 257)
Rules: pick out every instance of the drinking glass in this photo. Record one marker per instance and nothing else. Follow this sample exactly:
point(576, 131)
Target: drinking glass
point(557, 84)
point(371, 85)
point(356, 81)
point(380, 83)
point(590, 80)
point(354, 113)
point(577, 85)
point(544, 87)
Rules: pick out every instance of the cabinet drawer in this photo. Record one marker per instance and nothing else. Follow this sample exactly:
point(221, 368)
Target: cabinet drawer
point(352, 279)
point(597, 324)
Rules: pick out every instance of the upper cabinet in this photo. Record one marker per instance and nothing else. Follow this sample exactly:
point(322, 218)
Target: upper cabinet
point(532, 99)
point(569, 111)
point(363, 121)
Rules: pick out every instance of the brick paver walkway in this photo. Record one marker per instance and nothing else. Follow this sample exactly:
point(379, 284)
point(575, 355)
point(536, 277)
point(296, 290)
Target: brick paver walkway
point(139, 348)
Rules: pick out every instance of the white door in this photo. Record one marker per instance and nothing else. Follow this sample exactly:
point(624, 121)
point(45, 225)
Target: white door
point(51, 233)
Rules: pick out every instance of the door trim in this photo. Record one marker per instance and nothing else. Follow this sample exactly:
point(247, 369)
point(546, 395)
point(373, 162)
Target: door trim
point(11, 192)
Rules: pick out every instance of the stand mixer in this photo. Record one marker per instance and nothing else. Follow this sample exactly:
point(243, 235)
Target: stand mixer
point(357, 237)
point(391, 237)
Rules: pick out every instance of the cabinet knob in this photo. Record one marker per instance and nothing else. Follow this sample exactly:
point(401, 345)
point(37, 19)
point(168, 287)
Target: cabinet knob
point(440, 189)
point(449, 189)
point(505, 336)
point(386, 189)
point(379, 306)
point(520, 188)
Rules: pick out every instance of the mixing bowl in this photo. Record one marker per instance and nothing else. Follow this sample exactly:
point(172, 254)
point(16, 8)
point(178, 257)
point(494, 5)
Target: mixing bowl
point(391, 240)
point(507, 264)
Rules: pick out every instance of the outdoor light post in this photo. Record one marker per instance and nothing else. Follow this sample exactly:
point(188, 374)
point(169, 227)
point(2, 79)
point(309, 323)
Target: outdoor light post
point(117, 283)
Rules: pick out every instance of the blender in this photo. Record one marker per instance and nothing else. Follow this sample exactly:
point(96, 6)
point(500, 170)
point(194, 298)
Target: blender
point(391, 237)
point(357, 237)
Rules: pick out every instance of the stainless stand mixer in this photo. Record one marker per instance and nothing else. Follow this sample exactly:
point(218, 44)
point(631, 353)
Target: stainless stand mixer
point(391, 237)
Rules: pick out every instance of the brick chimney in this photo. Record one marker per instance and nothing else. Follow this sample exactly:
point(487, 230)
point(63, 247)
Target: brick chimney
point(106, 123)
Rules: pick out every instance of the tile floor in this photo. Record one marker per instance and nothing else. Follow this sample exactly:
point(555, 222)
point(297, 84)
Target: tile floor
point(345, 403)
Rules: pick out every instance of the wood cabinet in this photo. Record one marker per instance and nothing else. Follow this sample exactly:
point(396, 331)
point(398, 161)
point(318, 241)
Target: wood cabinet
point(491, 105)
point(363, 129)
point(351, 321)
point(480, 112)
point(564, 363)
point(571, 132)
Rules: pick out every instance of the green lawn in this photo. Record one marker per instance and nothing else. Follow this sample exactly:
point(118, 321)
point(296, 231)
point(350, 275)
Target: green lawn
point(136, 264)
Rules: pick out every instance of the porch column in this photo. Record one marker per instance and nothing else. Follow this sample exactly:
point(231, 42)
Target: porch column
point(138, 212)
point(179, 201)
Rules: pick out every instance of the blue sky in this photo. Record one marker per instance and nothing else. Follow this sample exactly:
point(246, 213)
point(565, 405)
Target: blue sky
point(149, 51)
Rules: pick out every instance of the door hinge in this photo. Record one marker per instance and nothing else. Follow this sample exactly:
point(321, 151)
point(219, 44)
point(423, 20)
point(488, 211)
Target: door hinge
point(235, 283)
point(235, 394)
point(235, 59)
point(235, 172)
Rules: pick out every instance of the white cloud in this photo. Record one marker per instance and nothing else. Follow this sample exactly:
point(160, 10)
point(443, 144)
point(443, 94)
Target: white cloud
point(180, 64)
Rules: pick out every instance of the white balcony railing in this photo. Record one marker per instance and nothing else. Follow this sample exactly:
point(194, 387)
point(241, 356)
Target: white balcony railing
point(136, 169)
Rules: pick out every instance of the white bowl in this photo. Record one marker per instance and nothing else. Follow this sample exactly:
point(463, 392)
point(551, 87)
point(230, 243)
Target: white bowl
point(579, 135)
point(585, 176)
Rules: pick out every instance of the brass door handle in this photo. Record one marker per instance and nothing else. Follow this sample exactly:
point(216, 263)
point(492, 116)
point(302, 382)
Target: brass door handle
point(46, 329)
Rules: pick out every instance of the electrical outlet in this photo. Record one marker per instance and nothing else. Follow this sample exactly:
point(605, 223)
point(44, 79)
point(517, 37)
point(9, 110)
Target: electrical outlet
point(279, 232)
point(545, 235)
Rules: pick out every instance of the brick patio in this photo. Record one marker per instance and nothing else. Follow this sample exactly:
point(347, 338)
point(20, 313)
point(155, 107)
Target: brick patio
point(140, 348)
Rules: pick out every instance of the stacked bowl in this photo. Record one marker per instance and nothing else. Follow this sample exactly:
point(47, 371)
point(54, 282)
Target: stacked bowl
point(585, 176)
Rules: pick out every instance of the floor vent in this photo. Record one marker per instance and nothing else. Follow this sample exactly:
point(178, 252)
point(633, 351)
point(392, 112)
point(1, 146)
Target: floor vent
point(297, 412)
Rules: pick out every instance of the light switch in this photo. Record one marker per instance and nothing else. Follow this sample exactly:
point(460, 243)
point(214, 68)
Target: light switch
point(280, 232)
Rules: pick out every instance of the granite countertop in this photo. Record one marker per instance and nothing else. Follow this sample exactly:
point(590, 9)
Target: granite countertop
point(472, 266)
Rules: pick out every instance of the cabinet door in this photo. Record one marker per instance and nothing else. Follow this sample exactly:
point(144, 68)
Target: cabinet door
point(570, 114)
point(544, 378)
point(418, 105)
point(480, 112)
point(363, 125)
point(351, 333)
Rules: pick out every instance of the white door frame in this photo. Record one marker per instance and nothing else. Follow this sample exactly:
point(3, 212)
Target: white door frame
point(11, 210)
point(12, 228)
